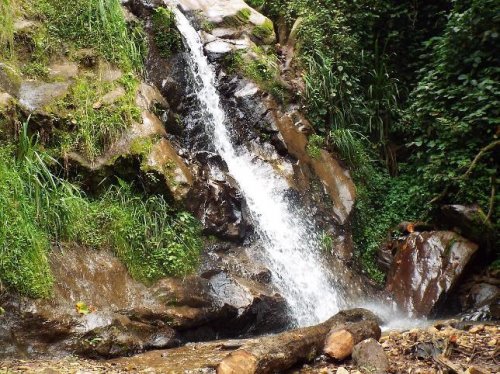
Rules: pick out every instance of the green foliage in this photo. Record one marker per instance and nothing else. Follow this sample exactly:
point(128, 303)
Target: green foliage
point(93, 125)
point(97, 24)
point(314, 145)
point(383, 202)
point(454, 112)
point(147, 235)
point(38, 208)
point(256, 3)
point(326, 241)
point(35, 70)
point(166, 36)
point(7, 18)
point(330, 94)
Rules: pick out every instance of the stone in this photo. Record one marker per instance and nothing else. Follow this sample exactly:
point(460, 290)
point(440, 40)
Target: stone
point(369, 355)
point(426, 268)
point(35, 95)
point(64, 69)
point(6, 100)
point(342, 370)
point(113, 96)
point(164, 159)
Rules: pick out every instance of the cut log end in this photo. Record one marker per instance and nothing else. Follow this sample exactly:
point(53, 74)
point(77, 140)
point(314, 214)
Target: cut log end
point(339, 344)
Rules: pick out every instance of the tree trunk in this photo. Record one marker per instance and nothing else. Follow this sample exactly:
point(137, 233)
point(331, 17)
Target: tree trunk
point(279, 352)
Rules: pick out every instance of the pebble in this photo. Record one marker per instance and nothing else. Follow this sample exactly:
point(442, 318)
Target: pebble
point(342, 370)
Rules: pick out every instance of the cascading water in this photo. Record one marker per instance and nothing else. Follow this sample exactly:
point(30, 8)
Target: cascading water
point(290, 242)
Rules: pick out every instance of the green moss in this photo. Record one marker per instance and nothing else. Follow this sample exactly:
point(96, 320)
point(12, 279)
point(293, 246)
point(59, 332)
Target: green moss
point(166, 36)
point(264, 31)
point(141, 146)
point(240, 18)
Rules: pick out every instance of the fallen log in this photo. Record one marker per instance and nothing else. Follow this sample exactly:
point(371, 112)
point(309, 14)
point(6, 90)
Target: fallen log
point(341, 340)
point(280, 352)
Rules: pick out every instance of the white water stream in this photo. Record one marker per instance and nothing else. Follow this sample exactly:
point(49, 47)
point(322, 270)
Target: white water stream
point(289, 240)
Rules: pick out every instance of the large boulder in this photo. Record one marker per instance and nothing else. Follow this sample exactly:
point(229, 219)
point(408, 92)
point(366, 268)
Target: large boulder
point(233, 19)
point(426, 267)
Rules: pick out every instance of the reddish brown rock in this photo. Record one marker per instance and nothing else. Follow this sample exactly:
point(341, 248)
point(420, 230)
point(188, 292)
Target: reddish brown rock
point(426, 267)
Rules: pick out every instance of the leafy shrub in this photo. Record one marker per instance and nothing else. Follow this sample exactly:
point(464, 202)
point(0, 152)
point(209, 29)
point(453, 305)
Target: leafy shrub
point(454, 112)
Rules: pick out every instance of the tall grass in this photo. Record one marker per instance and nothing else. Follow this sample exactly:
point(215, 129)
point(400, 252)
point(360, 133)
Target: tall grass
point(7, 18)
point(93, 129)
point(98, 24)
point(40, 208)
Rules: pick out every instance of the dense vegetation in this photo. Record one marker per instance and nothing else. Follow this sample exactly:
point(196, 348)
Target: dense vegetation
point(407, 92)
point(40, 209)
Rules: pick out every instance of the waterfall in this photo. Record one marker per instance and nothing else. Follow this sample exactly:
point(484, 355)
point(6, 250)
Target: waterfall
point(289, 240)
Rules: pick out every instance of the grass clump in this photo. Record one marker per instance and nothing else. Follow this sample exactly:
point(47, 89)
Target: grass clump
point(40, 208)
point(35, 70)
point(23, 243)
point(92, 125)
point(166, 36)
point(314, 146)
point(7, 18)
point(96, 24)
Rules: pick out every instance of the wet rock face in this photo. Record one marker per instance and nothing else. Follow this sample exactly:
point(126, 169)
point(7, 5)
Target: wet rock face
point(479, 296)
point(425, 269)
point(123, 316)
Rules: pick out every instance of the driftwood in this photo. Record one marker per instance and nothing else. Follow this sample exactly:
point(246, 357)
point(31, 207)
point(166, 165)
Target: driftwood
point(279, 352)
